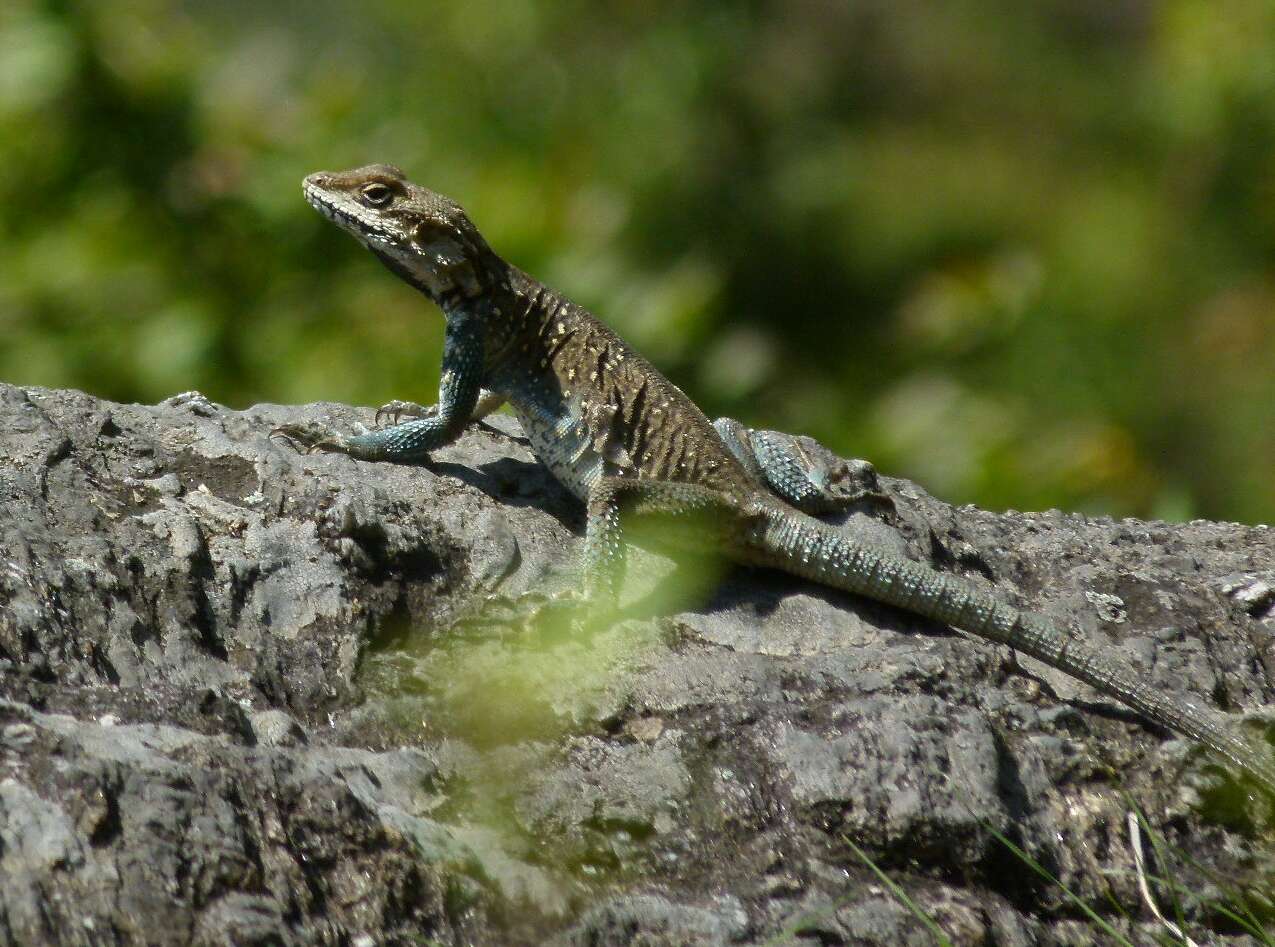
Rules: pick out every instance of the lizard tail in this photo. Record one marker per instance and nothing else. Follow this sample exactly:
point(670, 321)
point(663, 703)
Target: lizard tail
point(804, 546)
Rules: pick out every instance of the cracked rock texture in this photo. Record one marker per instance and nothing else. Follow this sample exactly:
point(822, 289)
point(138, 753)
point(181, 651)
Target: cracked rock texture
point(254, 697)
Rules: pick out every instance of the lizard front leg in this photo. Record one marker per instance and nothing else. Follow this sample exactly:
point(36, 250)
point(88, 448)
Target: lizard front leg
point(411, 441)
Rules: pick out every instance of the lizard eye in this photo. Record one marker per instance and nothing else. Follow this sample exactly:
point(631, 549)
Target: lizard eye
point(376, 194)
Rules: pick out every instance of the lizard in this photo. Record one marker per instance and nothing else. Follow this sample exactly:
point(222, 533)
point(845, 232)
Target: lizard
point(626, 441)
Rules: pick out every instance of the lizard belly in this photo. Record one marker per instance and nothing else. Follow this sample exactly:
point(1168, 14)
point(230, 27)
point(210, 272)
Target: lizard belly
point(563, 442)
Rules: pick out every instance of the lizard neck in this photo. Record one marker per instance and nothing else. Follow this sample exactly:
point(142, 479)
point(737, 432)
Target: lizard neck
point(486, 277)
point(510, 313)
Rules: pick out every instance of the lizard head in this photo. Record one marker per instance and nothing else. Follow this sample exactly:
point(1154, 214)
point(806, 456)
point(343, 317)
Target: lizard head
point(424, 237)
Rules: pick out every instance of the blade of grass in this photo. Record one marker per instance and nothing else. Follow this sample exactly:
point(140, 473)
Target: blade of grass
point(790, 932)
point(900, 895)
point(1239, 901)
point(1247, 920)
point(1134, 821)
point(1162, 858)
point(1245, 924)
point(1044, 873)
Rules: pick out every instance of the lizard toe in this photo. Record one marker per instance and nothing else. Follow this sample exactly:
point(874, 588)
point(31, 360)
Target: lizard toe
point(306, 440)
point(396, 409)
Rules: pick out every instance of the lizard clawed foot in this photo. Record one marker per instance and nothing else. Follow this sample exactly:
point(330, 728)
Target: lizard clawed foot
point(844, 483)
point(872, 495)
point(307, 440)
point(394, 410)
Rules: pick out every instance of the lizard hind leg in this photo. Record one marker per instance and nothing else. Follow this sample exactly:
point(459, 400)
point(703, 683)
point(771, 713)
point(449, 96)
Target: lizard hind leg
point(669, 515)
point(571, 608)
point(594, 601)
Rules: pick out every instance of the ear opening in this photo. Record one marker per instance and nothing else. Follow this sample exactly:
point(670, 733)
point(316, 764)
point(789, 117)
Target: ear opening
point(443, 248)
point(438, 244)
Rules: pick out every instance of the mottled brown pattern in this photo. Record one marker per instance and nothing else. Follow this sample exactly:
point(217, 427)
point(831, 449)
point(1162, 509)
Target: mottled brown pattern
point(647, 418)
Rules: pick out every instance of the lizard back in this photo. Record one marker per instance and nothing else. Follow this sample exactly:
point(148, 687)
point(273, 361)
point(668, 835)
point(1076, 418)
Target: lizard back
point(592, 407)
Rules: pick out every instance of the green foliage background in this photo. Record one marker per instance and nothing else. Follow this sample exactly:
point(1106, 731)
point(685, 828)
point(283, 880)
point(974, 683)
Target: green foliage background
point(1024, 253)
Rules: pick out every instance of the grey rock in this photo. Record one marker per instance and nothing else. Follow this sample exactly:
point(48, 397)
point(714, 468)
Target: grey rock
point(655, 921)
point(250, 696)
point(276, 728)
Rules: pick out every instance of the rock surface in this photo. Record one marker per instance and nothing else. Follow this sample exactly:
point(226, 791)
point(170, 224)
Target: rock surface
point(253, 697)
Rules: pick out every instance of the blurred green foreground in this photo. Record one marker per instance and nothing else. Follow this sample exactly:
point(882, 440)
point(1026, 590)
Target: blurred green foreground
point(1023, 253)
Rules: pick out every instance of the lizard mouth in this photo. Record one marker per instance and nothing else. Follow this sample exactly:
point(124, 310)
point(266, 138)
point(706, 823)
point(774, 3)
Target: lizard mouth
point(342, 212)
point(317, 199)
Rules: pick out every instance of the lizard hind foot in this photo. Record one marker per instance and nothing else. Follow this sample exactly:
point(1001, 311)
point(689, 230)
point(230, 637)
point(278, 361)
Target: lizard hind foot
point(307, 440)
point(853, 482)
point(822, 480)
point(803, 472)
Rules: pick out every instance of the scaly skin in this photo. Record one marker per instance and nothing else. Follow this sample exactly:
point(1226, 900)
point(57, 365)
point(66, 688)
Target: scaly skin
point(624, 439)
